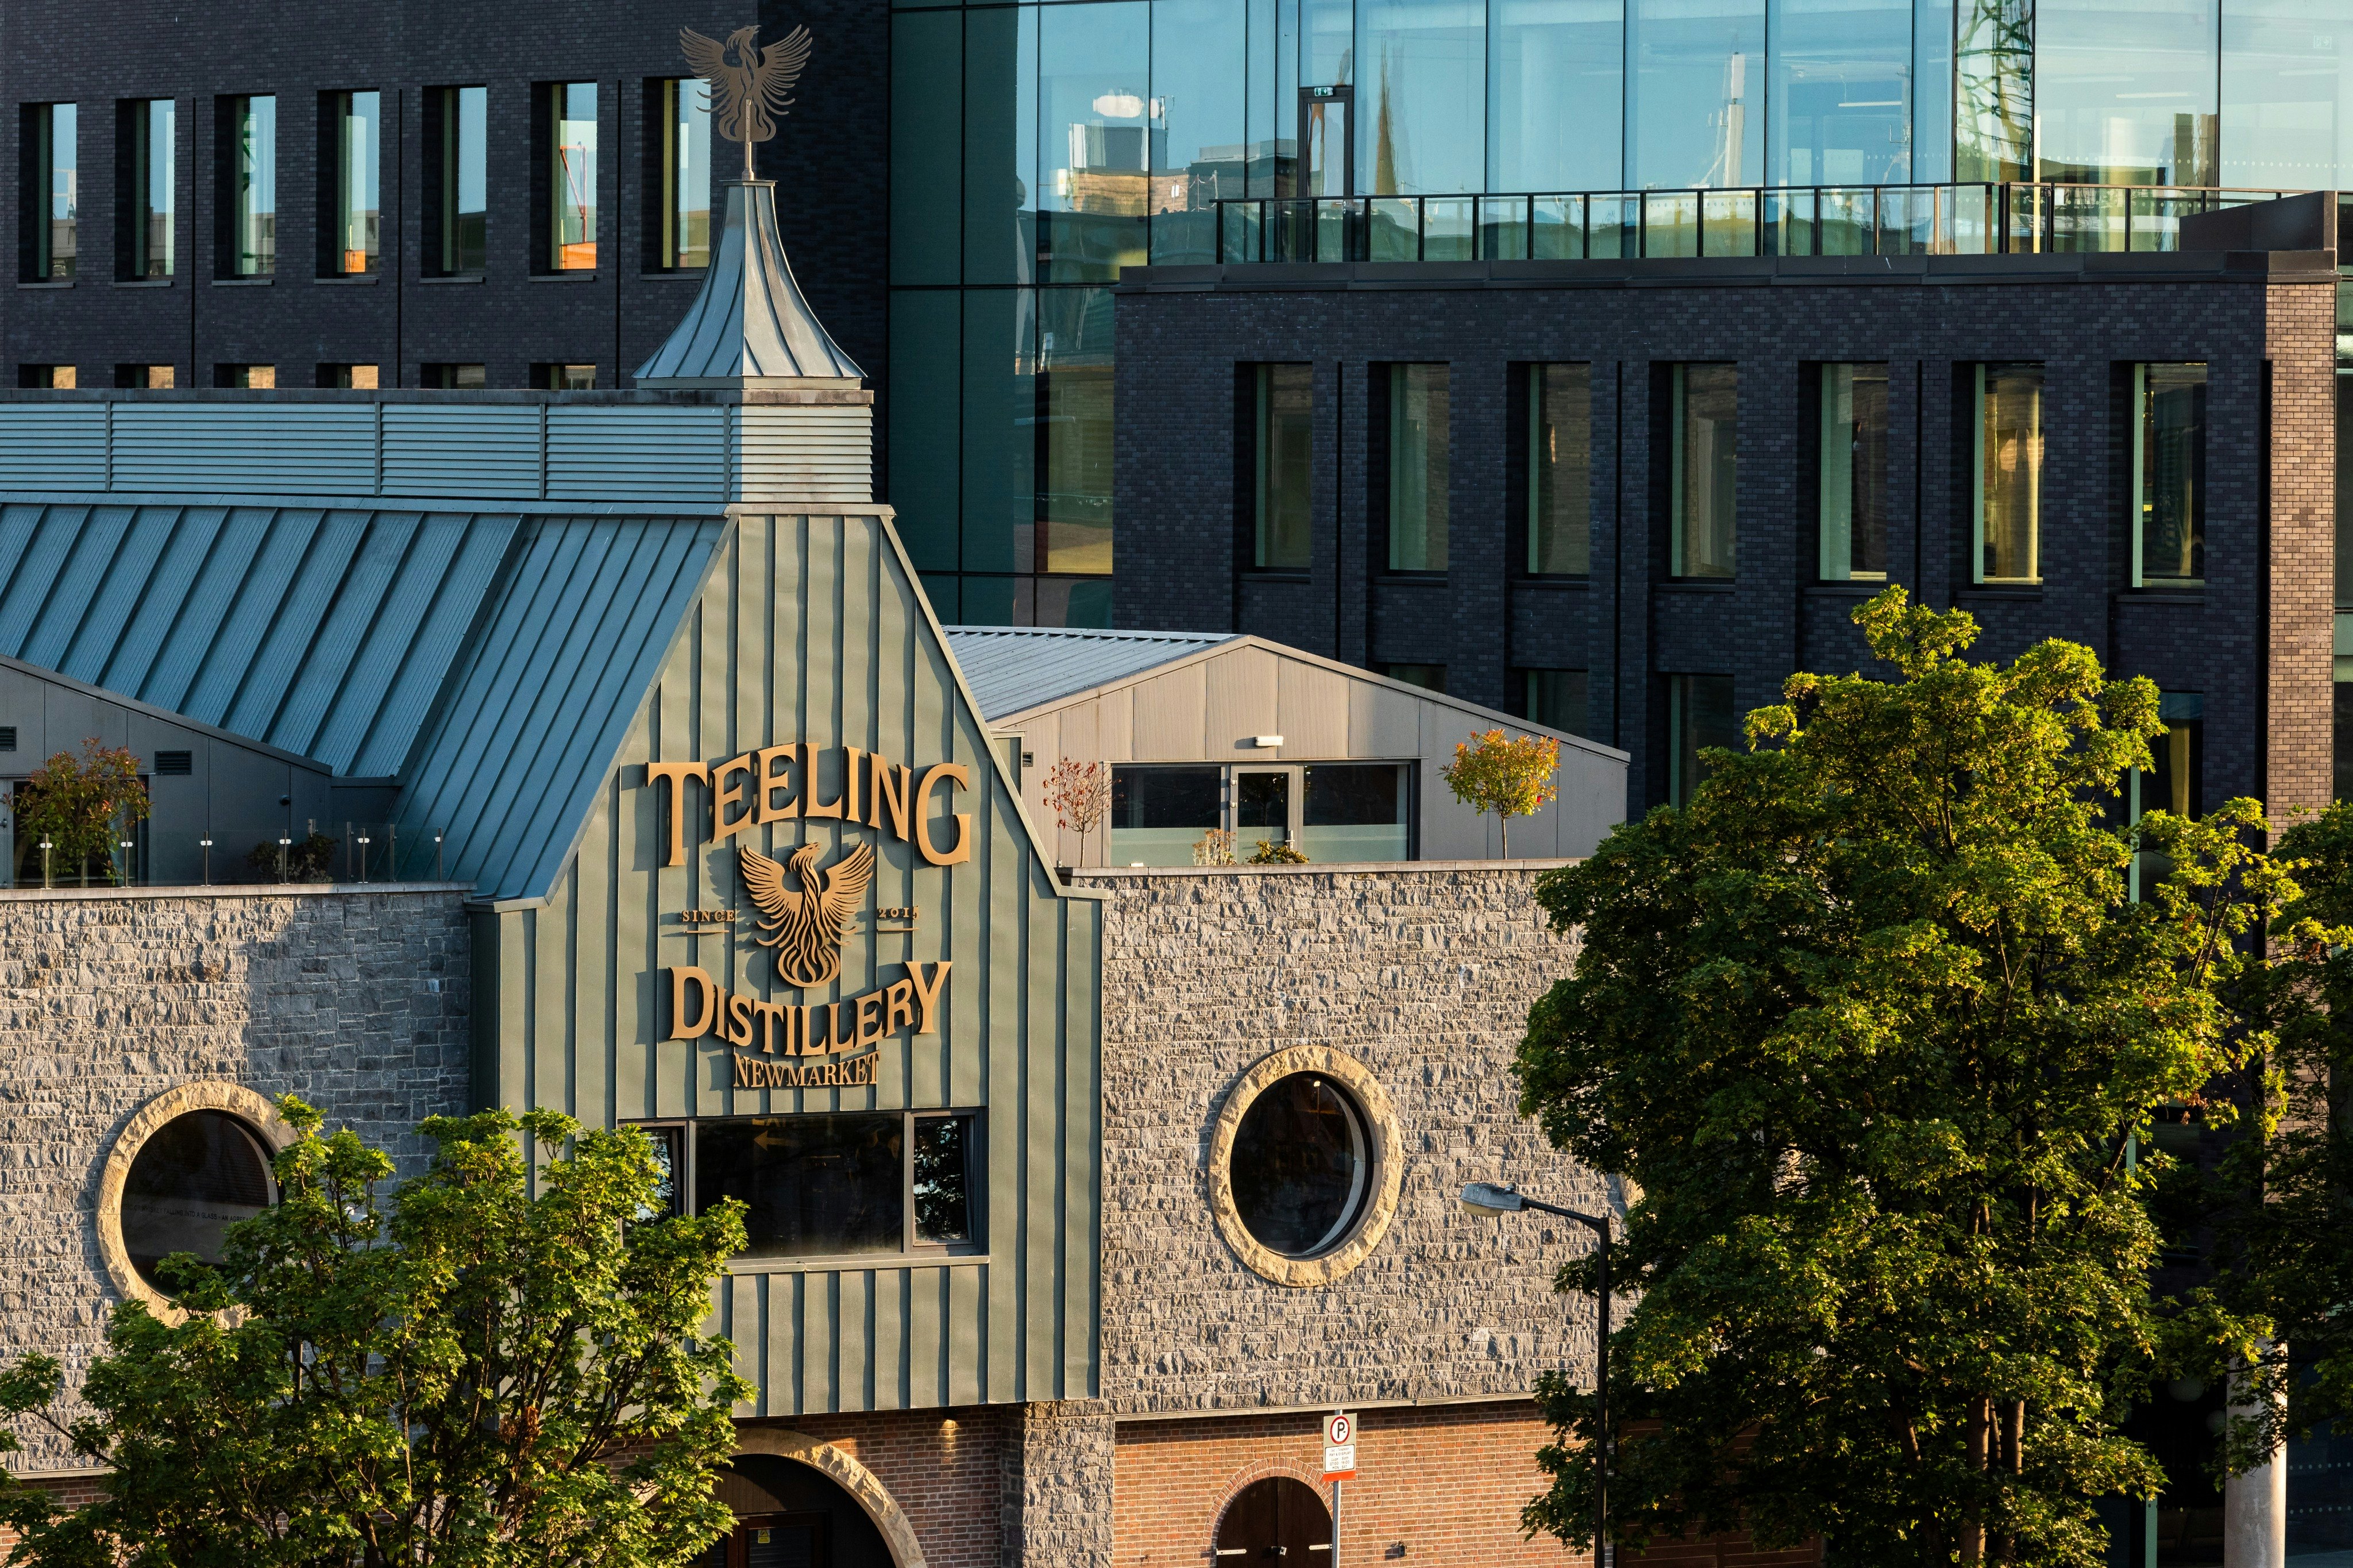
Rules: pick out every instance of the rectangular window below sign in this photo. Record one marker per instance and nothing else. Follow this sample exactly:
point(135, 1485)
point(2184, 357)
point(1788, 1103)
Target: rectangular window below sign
point(822, 1185)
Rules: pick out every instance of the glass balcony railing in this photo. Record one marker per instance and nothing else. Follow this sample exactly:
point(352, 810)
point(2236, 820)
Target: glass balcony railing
point(1826, 220)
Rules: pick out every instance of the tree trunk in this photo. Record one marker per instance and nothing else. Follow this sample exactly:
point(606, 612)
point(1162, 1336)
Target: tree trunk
point(1981, 1441)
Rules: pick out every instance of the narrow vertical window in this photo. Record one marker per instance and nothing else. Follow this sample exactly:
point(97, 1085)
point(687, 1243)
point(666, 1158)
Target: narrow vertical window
point(2168, 476)
point(150, 140)
point(1701, 716)
point(2174, 783)
point(1417, 468)
point(685, 156)
point(1560, 470)
point(249, 172)
point(572, 177)
point(1854, 473)
point(465, 179)
point(52, 219)
point(1704, 470)
point(2008, 465)
point(1280, 445)
point(1555, 699)
point(357, 243)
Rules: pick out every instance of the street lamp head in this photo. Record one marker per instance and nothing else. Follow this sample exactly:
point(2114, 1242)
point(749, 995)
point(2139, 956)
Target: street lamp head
point(1487, 1198)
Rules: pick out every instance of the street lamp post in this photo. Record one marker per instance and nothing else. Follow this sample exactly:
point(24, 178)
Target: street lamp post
point(1487, 1198)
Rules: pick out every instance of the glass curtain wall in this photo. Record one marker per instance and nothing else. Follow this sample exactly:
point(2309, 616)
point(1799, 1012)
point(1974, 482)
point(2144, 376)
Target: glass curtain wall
point(2124, 91)
point(153, 136)
point(1282, 456)
point(1704, 470)
point(1560, 470)
point(2286, 94)
point(358, 235)
point(1839, 93)
point(685, 161)
point(252, 171)
point(465, 178)
point(1993, 82)
point(2168, 476)
point(1423, 97)
point(53, 219)
point(1854, 473)
point(1695, 93)
point(572, 177)
point(1199, 90)
point(2008, 474)
point(1418, 467)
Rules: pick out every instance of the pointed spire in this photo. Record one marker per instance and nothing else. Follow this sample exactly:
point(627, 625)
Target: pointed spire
point(750, 327)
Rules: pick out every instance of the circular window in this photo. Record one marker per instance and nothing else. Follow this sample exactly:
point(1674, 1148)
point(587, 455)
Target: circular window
point(1304, 1166)
point(1299, 1165)
point(194, 1177)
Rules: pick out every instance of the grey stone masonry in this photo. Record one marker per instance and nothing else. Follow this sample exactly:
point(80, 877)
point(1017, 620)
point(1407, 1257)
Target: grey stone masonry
point(1424, 974)
point(354, 998)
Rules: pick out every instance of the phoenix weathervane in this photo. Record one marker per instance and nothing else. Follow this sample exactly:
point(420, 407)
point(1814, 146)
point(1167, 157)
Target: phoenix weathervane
point(751, 92)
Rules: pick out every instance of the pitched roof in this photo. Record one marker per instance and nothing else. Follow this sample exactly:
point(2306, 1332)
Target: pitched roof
point(1014, 667)
point(491, 661)
point(749, 321)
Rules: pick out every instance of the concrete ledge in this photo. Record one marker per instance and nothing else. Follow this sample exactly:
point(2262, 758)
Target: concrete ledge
point(1351, 867)
point(225, 891)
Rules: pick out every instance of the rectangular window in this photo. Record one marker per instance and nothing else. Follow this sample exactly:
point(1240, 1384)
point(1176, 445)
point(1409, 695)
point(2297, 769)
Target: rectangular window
point(2174, 783)
point(1353, 811)
point(2168, 476)
point(564, 377)
point(843, 1185)
point(46, 377)
point(685, 162)
point(1701, 716)
point(150, 144)
point(463, 167)
point(1560, 470)
point(2008, 474)
point(52, 219)
point(1854, 473)
point(453, 377)
point(572, 176)
point(356, 239)
point(1074, 453)
point(1555, 699)
point(1704, 470)
point(154, 377)
point(1280, 444)
point(1417, 468)
point(254, 376)
point(351, 377)
point(1159, 814)
point(249, 176)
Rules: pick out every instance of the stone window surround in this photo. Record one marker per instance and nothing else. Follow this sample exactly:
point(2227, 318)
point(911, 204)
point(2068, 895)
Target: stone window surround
point(253, 1108)
point(1388, 1160)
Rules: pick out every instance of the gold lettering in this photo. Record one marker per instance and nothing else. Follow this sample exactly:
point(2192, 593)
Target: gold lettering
point(816, 808)
point(900, 1003)
point(707, 1007)
point(764, 810)
point(738, 1028)
point(722, 796)
point(743, 1070)
point(956, 774)
point(870, 1007)
point(850, 794)
point(895, 785)
point(836, 1038)
point(676, 774)
point(928, 994)
point(768, 1015)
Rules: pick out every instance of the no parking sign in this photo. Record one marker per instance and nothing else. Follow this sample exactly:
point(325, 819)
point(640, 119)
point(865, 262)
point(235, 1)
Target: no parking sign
point(1339, 1446)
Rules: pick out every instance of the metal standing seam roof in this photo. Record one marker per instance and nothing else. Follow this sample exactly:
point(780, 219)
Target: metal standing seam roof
point(1013, 668)
point(750, 319)
point(492, 660)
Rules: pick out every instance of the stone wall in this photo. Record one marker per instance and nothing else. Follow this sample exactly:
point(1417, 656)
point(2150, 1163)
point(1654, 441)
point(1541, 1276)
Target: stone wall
point(1423, 974)
point(354, 998)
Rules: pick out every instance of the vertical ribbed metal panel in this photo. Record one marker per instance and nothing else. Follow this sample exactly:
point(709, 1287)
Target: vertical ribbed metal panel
point(673, 456)
point(288, 449)
point(53, 449)
point(810, 628)
point(807, 455)
point(462, 449)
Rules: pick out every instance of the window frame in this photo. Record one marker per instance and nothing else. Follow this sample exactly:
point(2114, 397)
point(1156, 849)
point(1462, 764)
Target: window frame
point(667, 94)
point(1262, 442)
point(337, 117)
point(38, 130)
point(135, 232)
point(1533, 391)
point(2041, 443)
point(447, 167)
point(2138, 519)
point(1400, 372)
point(550, 115)
point(1678, 490)
point(244, 174)
point(1836, 539)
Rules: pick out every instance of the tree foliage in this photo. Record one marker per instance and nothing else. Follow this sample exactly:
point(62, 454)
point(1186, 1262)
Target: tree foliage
point(1870, 1024)
point(496, 1363)
point(1494, 773)
point(84, 806)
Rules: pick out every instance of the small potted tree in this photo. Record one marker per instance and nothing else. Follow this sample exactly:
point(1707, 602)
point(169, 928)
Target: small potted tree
point(1080, 795)
point(83, 808)
point(1511, 778)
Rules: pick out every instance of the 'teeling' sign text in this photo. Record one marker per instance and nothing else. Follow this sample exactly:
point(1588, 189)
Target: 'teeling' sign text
point(874, 793)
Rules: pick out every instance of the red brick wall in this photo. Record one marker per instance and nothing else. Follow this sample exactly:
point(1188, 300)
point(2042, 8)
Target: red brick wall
point(2300, 342)
point(72, 1492)
point(947, 1470)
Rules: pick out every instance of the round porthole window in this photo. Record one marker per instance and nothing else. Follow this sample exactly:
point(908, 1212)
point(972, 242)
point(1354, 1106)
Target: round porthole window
point(1304, 1166)
point(194, 1177)
point(1299, 1160)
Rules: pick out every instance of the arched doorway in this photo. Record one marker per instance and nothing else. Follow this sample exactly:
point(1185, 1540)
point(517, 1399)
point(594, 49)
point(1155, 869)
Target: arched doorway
point(792, 1515)
point(1276, 1518)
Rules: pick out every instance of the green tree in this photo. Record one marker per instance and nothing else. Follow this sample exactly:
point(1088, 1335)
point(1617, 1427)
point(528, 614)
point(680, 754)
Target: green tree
point(84, 806)
point(1492, 771)
point(498, 1366)
point(1871, 1024)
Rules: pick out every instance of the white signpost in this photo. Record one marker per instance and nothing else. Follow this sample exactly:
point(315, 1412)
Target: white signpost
point(1339, 1465)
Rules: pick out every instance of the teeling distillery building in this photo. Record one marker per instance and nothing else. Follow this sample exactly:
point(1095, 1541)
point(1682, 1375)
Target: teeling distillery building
point(1075, 1203)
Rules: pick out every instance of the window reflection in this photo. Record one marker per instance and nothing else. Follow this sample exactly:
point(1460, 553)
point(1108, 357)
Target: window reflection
point(1281, 453)
point(2287, 95)
point(1701, 716)
point(1993, 67)
point(1424, 96)
point(154, 141)
point(462, 116)
point(1000, 430)
point(1854, 472)
point(357, 240)
point(54, 218)
point(2169, 475)
point(1696, 80)
point(1096, 139)
point(1841, 93)
point(572, 177)
point(252, 174)
point(1704, 476)
point(1074, 429)
point(1560, 468)
point(685, 154)
point(1556, 95)
point(2008, 465)
point(1555, 699)
point(1417, 432)
point(1000, 146)
point(1198, 76)
point(2124, 91)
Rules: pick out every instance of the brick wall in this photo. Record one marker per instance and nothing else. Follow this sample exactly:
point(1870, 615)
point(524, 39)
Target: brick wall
point(355, 1001)
point(950, 1472)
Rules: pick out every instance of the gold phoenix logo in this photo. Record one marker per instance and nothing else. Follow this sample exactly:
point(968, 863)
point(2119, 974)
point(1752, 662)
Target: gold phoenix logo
point(807, 921)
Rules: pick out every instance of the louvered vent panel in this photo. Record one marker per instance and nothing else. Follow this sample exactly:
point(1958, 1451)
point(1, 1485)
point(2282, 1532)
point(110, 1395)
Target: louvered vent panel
point(242, 448)
point(666, 455)
point(812, 455)
point(466, 450)
point(60, 447)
